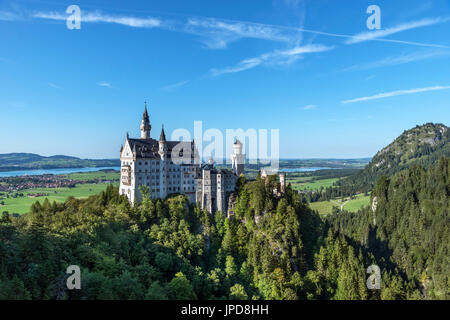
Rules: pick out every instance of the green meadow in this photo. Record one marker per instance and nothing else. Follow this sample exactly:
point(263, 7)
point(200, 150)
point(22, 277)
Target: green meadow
point(105, 175)
point(312, 185)
point(22, 204)
point(326, 207)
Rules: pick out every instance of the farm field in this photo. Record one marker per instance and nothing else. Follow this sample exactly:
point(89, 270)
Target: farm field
point(326, 207)
point(22, 204)
point(105, 175)
point(312, 185)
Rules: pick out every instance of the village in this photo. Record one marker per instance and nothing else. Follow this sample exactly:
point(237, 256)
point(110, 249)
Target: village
point(49, 181)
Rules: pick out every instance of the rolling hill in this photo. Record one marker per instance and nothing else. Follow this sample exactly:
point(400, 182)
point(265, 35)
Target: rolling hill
point(30, 161)
point(422, 145)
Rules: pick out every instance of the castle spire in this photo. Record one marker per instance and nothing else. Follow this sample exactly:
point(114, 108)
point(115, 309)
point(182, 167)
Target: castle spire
point(145, 115)
point(162, 137)
point(145, 124)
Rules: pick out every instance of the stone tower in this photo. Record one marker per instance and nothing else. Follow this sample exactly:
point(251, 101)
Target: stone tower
point(238, 158)
point(145, 125)
point(282, 182)
point(162, 144)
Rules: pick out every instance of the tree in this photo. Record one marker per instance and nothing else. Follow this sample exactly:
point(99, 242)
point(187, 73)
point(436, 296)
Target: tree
point(230, 266)
point(13, 289)
point(156, 292)
point(181, 289)
point(237, 292)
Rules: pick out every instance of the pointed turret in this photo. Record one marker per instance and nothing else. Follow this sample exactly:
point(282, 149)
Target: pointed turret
point(145, 125)
point(145, 115)
point(162, 137)
point(162, 144)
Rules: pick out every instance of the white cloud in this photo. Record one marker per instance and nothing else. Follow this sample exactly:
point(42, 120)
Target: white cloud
point(309, 107)
point(396, 93)
point(99, 17)
point(218, 33)
point(402, 59)
point(372, 35)
point(174, 86)
point(8, 16)
point(275, 57)
point(54, 86)
point(104, 84)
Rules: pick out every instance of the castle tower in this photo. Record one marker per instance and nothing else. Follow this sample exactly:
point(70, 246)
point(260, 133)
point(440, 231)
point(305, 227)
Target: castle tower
point(238, 158)
point(145, 125)
point(263, 174)
point(282, 181)
point(162, 144)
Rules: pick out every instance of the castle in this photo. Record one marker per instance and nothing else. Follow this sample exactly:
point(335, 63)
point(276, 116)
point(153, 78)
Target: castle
point(156, 164)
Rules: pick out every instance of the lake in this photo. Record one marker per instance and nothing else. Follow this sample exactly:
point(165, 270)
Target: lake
point(53, 171)
point(308, 169)
point(71, 170)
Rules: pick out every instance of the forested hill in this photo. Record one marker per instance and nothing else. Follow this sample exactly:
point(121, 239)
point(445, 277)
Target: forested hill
point(30, 161)
point(422, 145)
point(407, 231)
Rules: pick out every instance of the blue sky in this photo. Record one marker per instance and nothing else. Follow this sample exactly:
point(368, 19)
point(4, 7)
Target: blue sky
point(310, 68)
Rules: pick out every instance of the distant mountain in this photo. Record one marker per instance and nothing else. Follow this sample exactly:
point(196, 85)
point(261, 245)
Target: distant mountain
point(30, 161)
point(422, 145)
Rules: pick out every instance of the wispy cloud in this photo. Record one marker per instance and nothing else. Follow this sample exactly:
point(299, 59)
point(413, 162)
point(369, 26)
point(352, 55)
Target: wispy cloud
point(372, 35)
point(174, 86)
point(8, 16)
point(99, 17)
point(218, 33)
point(275, 57)
point(396, 93)
point(309, 107)
point(50, 84)
point(104, 84)
point(401, 59)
